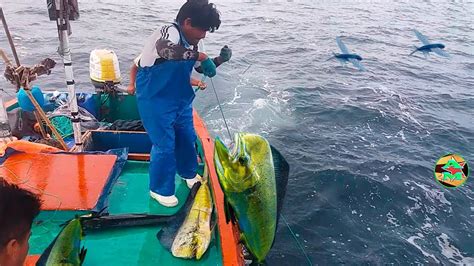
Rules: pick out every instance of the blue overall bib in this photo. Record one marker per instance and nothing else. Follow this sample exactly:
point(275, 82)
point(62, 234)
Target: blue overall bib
point(164, 98)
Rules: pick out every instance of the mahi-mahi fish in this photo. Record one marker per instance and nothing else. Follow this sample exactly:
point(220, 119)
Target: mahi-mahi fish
point(253, 178)
point(66, 248)
point(194, 235)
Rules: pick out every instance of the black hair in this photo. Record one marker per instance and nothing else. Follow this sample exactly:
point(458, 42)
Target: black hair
point(203, 15)
point(18, 208)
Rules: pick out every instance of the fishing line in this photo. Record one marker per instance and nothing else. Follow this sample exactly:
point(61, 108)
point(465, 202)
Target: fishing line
point(220, 107)
point(8, 93)
point(24, 182)
point(300, 246)
point(16, 179)
point(297, 241)
point(218, 101)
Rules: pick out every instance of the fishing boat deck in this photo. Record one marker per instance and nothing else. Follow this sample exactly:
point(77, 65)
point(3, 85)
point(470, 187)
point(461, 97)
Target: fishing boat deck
point(125, 246)
point(129, 194)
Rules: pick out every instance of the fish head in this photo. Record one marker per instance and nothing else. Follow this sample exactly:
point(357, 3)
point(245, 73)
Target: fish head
point(442, 46)
point(233, 167)
point(237, 168)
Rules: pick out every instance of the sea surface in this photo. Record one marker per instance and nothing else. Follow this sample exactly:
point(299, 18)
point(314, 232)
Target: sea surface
point(362, 146)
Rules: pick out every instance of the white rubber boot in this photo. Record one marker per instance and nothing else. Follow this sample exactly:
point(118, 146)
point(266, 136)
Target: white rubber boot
point(167, 201)
point(192, 181)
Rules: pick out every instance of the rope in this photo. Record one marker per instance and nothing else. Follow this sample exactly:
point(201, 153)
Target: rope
point(297, 241)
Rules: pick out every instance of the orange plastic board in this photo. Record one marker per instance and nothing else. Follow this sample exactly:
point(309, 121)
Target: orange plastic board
point(31, 260)
point(63, 181)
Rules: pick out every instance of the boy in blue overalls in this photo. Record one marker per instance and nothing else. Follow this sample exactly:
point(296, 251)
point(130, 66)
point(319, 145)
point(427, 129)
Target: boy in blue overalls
point(165, 95)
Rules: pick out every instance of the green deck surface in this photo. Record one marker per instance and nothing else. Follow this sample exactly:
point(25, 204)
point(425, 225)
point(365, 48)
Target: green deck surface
point(131, 193)
point(130, 246)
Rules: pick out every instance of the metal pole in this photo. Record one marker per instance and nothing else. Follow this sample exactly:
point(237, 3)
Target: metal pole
point(10, 40)
point(67, 60)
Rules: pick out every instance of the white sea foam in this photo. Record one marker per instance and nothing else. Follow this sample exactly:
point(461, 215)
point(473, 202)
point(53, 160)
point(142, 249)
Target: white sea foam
point(451, 252)
point(412, 239)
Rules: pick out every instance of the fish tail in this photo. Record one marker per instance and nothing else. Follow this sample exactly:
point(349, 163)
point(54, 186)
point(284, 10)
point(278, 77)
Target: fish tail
point(82, 255)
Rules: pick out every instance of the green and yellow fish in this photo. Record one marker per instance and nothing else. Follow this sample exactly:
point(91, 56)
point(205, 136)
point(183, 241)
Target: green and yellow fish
point(66, 248)
point(194, 235)
point(248, 178)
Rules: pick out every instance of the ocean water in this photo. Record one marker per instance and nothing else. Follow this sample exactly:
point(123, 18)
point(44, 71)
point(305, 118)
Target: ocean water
point(362, 146)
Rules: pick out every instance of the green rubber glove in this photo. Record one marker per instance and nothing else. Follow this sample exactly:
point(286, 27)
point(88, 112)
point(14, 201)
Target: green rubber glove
point(208, 68)
point(226, 53)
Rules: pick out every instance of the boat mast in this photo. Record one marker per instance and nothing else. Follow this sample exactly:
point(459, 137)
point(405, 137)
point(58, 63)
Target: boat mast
point(62, 22)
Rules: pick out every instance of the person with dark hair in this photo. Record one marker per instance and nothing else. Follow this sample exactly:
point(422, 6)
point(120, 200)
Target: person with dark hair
point(165, 95)
point(188, 10)
point(18, 208)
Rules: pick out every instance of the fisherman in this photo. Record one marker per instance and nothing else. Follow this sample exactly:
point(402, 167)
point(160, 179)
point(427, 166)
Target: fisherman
point(225, 51)
point(18, 208)
point(164, 95)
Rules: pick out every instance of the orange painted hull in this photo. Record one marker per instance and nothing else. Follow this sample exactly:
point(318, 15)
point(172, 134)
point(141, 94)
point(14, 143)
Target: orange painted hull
point(229, 233)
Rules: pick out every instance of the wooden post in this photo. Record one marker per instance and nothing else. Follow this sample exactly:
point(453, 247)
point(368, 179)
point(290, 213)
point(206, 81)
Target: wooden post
point(10, 40)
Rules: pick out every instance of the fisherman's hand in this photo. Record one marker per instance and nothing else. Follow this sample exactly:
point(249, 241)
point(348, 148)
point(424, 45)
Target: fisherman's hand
point(202, 85)
point(131, 89)
point(198, 83)
point(208, 67)
point(226, 54)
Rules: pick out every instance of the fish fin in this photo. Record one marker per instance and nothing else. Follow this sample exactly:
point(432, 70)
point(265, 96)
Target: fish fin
point(357, 64)
point(120, 221)
point(256, 263)
point(249, 258)
point(282, 171)
point(213, 223)
point(102, 212)
point(423, 39)
point(440, 52)
point(229, 212)
point(342, 46)
point(166, 238)
point(82, 255)
point(332, 57)
point(169, 230)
